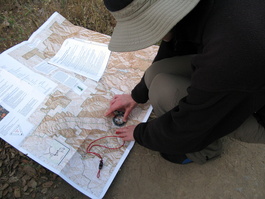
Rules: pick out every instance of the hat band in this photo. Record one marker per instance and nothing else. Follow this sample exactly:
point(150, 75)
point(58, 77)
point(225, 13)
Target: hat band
point(132, 10)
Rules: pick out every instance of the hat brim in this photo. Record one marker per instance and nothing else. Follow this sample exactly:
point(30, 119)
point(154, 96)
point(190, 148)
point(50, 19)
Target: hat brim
point(150, 26)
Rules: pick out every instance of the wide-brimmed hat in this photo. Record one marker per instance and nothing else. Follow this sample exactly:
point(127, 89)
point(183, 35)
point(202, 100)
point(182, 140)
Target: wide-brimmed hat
point(142, 23)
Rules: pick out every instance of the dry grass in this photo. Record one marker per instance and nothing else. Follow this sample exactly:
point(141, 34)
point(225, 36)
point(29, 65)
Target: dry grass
point(20, 18)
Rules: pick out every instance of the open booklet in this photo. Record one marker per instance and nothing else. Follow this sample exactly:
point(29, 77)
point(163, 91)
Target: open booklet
point(53, 98)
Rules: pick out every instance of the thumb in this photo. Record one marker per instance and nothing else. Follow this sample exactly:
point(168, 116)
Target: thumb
point(126, 114)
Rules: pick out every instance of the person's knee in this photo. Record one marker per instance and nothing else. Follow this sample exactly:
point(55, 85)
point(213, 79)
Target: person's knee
point(158, 93)
point(158, 84)
point(166, 90)
point(151, 73)
point(178, 65)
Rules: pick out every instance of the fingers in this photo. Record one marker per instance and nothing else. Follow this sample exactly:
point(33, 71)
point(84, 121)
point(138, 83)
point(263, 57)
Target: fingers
point(120, 134)
point(125, 116)
point(126, 133)
point(123, 136)
point(113, 107)
point(122, 103)
point(122, 130)
point(109, 112)
point(127, 112)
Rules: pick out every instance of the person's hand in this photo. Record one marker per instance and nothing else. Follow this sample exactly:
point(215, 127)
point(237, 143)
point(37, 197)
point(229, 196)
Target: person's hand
point(126, 133)
point(121, 103)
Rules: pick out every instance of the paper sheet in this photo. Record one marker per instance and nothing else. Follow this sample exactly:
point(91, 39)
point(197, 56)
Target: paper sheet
point(82, 57)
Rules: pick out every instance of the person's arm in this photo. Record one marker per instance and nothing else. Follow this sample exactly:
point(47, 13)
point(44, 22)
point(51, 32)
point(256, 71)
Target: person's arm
point(198, 120)
point(140, 92)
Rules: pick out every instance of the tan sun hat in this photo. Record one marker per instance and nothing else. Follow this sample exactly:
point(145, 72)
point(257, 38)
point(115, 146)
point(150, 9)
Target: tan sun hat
point(142, 23)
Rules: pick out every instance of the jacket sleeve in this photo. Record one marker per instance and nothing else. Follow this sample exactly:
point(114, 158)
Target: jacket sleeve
point(199, 119)
point(140, 92)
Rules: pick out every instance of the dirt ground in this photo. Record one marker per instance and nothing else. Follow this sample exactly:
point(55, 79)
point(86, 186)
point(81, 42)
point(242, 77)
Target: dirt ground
point(238, 174)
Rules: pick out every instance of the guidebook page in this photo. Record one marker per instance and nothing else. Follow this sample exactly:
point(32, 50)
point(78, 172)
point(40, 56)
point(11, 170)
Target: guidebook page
point(83, 57)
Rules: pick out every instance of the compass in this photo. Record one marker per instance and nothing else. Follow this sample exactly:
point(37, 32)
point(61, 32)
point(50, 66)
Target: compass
point(118, 118)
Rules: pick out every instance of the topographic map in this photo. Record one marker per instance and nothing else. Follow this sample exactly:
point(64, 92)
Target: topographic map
point(56, 113)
